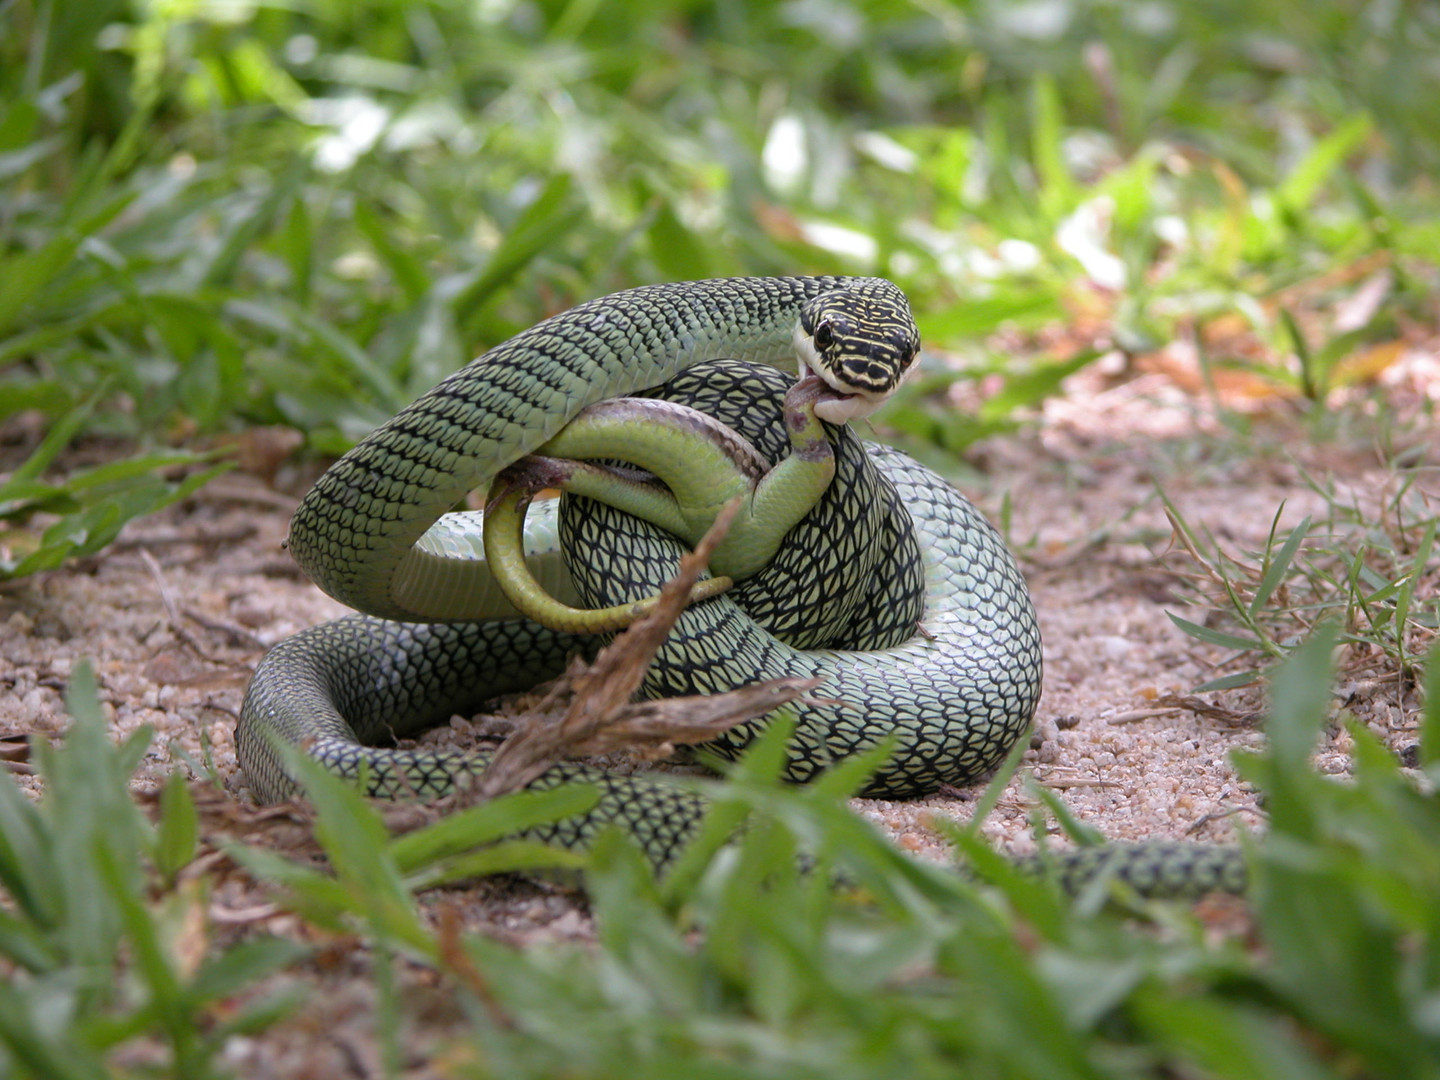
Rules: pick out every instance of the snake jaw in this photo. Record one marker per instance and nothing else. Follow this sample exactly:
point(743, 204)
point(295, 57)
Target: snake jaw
point(843, 408)
point(843, 402)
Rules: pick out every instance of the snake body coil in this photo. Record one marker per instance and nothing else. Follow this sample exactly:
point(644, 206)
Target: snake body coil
point(915, 616)
point(355, 533)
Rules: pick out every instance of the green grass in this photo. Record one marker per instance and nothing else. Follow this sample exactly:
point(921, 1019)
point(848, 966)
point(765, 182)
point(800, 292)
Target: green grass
point(97, 934)
point(1363, 566)
point(217, 216)
point(738, 963)
point(214, 216)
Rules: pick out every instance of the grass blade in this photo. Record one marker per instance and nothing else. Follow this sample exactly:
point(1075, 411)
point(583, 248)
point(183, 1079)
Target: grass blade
point(1279, 566)
point(1215, 637)
point(476, 826)
point(542, 224)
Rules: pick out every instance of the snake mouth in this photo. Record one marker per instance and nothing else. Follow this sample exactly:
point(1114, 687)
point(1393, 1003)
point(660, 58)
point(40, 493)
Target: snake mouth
point(838, 404)
point(842, 401)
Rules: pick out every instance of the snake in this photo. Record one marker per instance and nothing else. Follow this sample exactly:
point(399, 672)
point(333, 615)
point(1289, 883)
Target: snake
point(893, 591)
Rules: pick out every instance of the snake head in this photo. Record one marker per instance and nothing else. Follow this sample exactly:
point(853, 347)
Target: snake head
point(861, 341)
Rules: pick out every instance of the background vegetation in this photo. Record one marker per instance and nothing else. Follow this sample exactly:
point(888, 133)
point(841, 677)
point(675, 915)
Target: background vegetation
point(217, 214)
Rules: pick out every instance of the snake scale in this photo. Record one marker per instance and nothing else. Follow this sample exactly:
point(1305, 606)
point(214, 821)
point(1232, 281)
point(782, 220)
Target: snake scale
point(894, 590)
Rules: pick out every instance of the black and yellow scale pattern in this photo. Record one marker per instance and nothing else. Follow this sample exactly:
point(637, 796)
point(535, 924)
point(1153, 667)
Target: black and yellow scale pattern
point(900, 550)
point(355, 532)
point(915, 616)
point(894, 591)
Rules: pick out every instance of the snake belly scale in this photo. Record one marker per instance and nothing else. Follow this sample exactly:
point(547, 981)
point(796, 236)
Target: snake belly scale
point(937, 652)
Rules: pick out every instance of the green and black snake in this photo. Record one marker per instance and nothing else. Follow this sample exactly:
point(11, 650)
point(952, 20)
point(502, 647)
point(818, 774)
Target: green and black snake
point(893, 590)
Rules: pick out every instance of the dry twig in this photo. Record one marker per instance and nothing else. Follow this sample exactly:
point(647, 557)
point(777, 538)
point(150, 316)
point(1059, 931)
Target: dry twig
point(599, 716)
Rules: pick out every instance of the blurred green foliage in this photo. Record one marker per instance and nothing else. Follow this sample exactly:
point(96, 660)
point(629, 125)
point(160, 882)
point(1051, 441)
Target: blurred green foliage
point(738, 964)
point(230, 213)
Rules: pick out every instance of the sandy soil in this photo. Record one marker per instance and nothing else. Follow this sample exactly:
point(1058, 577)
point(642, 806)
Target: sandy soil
point(177, 613)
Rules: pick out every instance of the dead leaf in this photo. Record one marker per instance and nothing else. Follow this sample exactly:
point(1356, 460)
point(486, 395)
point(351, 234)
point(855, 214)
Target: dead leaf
point(1366, 365)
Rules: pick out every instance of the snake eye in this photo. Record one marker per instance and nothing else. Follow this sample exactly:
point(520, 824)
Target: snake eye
point(824, 335)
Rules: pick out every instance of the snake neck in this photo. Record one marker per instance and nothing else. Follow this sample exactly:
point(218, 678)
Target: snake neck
point(355, 532)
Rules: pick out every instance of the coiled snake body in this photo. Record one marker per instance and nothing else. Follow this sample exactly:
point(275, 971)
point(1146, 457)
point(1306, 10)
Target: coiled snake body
point(915, 616)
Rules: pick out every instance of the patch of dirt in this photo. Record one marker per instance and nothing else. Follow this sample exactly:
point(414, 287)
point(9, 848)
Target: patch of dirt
point(176, 615)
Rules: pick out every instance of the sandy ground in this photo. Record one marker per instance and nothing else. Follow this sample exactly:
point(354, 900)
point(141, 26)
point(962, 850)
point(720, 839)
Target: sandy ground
point(178, 612)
